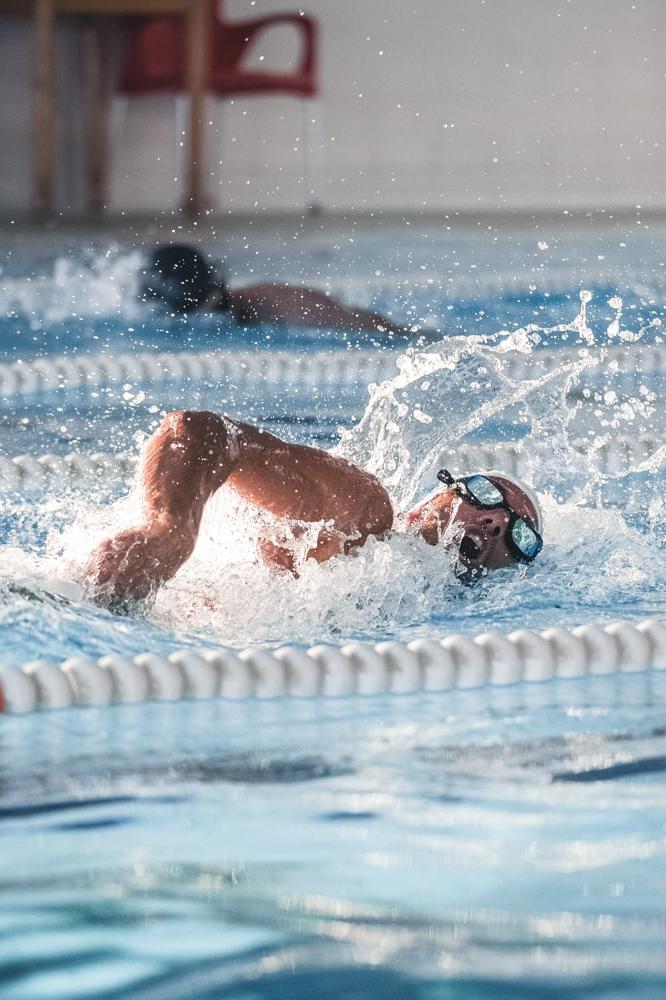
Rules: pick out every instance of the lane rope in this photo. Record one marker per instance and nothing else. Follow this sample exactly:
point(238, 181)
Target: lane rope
point(280, 367)
point(24, 471)
point(275, 367)
point(356, 668)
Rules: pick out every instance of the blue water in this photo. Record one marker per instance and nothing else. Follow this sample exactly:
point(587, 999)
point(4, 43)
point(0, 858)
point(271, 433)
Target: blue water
point(491, 843)
point(505, 843)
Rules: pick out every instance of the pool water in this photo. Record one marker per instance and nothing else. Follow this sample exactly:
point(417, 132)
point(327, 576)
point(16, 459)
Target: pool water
point(501, 842)
point(492, 842)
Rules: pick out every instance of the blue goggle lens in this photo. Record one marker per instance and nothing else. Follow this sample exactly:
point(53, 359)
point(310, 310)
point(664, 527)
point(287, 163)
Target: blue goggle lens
point(525, 540)
point(484, 491)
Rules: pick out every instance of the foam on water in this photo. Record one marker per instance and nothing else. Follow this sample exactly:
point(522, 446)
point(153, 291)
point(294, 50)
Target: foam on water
point(76, 286)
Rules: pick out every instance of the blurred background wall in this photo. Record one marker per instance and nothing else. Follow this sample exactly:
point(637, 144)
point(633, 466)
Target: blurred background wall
point(426, 104)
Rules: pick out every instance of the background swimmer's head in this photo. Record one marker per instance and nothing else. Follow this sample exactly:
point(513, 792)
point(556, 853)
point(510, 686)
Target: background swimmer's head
point(179, 277)
point(483, 544)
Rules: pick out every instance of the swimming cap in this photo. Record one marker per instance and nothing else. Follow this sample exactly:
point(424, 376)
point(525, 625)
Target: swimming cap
point(179, 277)
point(529, 492)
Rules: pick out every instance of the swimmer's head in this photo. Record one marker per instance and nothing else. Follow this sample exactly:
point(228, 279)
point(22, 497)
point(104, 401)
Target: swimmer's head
point(499, 516)
point(179, 278)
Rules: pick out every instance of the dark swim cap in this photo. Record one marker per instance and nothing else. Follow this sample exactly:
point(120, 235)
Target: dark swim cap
point(179, 277)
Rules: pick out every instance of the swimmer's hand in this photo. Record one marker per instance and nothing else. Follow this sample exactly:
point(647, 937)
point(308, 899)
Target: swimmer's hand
point(330, 543)
point(278, 556)
point(130, 566)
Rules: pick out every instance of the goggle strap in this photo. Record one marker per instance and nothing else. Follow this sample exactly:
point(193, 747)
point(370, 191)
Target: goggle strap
point(445, 477)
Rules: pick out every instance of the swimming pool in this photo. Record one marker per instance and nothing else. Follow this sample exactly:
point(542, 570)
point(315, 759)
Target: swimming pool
point(395, 823)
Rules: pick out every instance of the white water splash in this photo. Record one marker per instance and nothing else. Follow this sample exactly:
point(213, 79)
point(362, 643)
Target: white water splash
point(462, 383)
point(78, 287)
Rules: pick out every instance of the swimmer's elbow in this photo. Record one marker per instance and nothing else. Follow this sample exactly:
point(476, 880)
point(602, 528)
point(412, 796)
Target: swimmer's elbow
point(192, 423)
point(380, 519)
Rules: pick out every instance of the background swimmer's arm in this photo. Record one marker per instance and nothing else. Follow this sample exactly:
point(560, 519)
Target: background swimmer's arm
point(187, 459)
point(286, 304)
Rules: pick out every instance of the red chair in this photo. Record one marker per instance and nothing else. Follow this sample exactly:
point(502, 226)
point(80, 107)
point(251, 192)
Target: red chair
point(154, 59)
point(231, 40)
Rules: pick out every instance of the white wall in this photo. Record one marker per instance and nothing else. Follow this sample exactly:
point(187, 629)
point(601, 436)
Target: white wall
point(476, 104)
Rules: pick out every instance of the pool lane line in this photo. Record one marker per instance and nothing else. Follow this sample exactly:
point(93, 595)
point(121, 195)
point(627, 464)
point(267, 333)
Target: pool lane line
point(79, 468)
point(423, 665)
point(287, 367)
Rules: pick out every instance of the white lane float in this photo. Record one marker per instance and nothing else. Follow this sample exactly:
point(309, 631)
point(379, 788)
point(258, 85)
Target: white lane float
point(423, 665)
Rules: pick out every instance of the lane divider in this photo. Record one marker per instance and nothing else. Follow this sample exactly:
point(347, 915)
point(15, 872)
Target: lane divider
point(62, 470)
point(356, 668)
point(80, 469)
point(613, 456)
point(276, 367)
point(317, 368)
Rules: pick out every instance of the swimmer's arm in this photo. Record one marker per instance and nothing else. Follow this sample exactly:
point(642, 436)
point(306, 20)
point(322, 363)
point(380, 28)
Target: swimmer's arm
point(187, 459)
point(295, 306)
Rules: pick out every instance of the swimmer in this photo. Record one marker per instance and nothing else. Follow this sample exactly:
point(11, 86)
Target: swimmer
point(181, 280)
point(496, 520)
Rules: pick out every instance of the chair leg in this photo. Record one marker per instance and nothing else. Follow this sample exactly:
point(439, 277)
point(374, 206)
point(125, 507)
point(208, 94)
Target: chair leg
point(118, 117)
point(117, 123)
point(312, 154)
point(197, 64)
point(181, 127)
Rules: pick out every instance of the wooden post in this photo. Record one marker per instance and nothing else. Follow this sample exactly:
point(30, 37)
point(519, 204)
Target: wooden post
point(197, 78)
point(97, 113)
point(44, 135)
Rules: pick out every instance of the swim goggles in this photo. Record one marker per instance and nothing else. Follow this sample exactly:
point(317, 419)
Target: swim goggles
point(522, 540)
